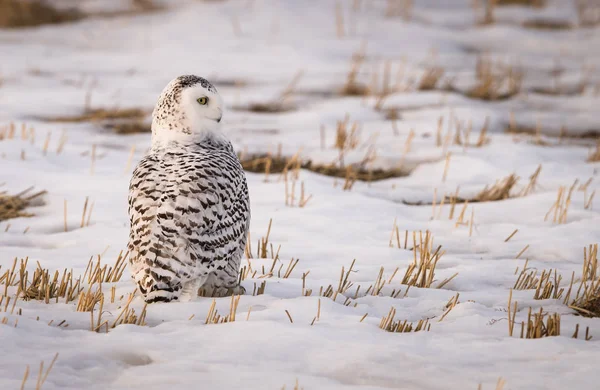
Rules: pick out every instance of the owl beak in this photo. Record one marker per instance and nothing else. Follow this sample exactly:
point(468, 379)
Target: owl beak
point(219, 119)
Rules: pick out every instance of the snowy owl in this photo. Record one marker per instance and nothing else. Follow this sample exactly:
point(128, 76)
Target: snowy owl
point(189, 207)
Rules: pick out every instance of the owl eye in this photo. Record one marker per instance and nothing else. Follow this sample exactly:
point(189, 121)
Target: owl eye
point(203, 100)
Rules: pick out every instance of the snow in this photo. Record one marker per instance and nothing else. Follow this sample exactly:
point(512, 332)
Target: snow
point(126, 61)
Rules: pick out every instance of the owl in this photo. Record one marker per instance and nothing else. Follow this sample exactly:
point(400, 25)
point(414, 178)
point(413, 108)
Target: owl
point(189, 207)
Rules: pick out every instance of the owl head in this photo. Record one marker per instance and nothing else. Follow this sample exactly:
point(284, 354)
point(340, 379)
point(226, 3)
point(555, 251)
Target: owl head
point(188, 109)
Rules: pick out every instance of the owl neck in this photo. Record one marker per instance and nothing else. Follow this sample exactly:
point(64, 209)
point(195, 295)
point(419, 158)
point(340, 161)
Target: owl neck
point(166, 135)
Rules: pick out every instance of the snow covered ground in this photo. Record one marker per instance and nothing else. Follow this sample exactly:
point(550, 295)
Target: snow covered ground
point(252, 50)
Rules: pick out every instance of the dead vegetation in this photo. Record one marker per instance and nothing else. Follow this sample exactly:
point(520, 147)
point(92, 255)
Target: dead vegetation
point(390, 325)
point(547, 24)
point(54, 287)
point(588, 12)
point(280, 104)
point(213, 316)
point(584, 298)
point(595, 154)
point(502, 189)
point(587, 299)
point(560, 208)
point(499, 385)
point(266, 163)
point(499, 191)
point(347, 139)
point(484, 10)
point(296, 386)
point(32, 13)
point(526, 3)
point(546, 285)
point(430, 78)
point(13, 206)
point(399, 8)
point(494, 80)
point(42, 375)
point(513, 127)
point(353, 87)
point(538, 324)
point(20, 13)
point(420, 273)
point(119, 120)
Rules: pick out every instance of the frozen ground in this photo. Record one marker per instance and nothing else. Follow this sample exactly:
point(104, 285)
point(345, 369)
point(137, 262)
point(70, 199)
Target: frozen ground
point(125, 62)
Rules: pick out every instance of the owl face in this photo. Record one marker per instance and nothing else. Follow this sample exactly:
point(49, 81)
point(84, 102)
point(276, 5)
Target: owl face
point(188, 109)
point(202, 104)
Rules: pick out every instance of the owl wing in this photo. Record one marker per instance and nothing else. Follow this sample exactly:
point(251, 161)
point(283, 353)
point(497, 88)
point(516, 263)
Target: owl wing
point(189, 215)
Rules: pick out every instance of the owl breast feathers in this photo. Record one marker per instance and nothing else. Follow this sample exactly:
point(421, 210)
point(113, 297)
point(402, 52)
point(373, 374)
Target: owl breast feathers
point(189, 212)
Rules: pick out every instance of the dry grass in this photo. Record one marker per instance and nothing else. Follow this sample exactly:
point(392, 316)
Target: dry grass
point(265, 163)
point(527, 3)
point(96, 273)
point(547, 24)
point(12, 206)
point(46, 286)
point(264, 250)
point(538, 325)
point(595, 154)
point(19, 13)
point(546, 285)
point(352, 87)
point(513, 127)
point(485, 9)
point(399, 8)
point(587, 299)
point(430, 78)
point(213, 317)
point(494, 80)
point(588, 12)
point(347, 137)
point(42, 375)
point(421, 272)
point(499, 191)
point(388, 324)
point(499, 385)
point(31, 13)
point(296, 386)
point(280, 104)
point(121, 121)
point(290, 191)
point(560, 208)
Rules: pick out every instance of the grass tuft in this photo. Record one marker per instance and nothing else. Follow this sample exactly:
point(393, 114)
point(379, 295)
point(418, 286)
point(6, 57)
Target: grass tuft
point(389, 325)
point(120, 121)
point(587, 299)
point(594, 155)
point(495, 81)
point(12, 206)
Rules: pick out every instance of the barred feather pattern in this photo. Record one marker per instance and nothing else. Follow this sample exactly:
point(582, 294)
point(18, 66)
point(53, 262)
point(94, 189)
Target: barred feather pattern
point(189, 213)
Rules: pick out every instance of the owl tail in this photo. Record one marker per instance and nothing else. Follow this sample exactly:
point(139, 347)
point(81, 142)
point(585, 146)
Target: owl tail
point(153, 273)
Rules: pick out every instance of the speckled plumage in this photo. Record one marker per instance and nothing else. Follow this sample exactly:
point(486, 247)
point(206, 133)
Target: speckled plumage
point(188, 200)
